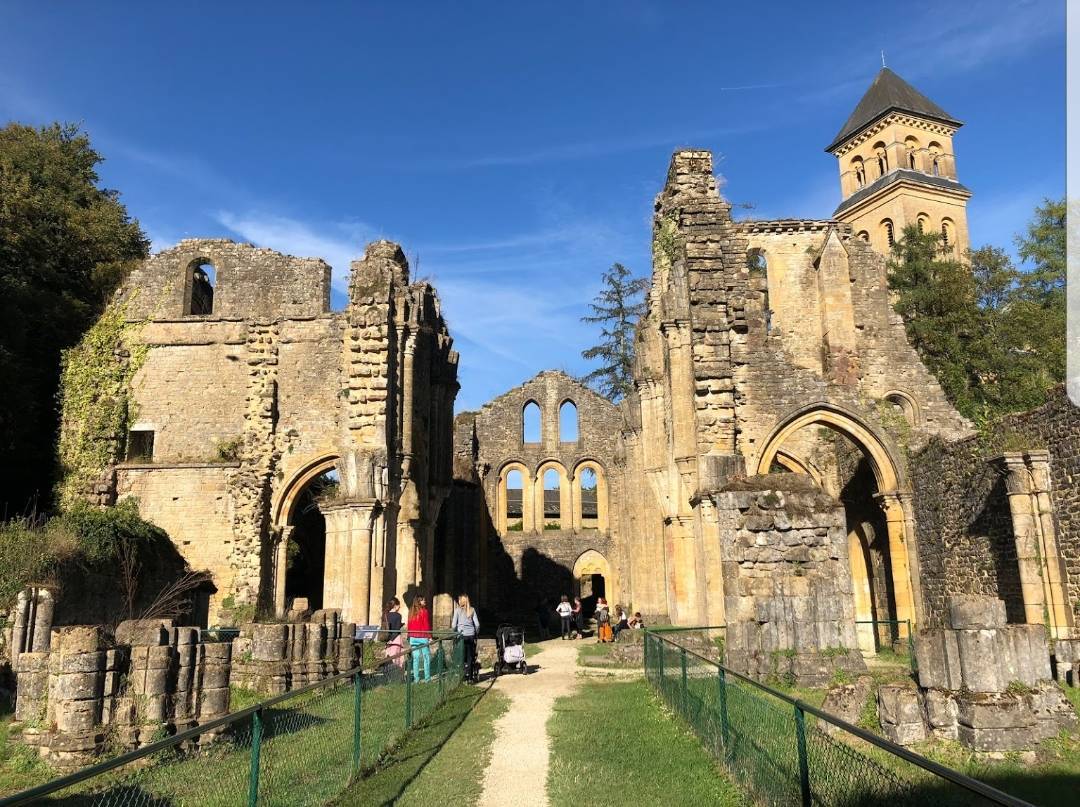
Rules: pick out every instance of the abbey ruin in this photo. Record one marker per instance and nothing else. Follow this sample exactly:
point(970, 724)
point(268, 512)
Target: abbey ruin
point(785, 465)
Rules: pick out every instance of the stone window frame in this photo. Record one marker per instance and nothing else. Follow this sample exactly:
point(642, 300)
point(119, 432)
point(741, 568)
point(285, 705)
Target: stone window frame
point(501, 517)
point(189, 285)
point(910, 408)
point(602, 494)
point(566, 497)
point(540, 422)
point(577, 422)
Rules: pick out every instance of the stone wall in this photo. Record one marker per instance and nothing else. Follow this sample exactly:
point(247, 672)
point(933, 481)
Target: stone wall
point(964, 529)
point(236, 409)
point(278, 657)
point(787, 580)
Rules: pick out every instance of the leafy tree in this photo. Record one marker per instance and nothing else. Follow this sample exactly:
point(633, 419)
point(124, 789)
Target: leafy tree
point(65, 243)
point(994, 336)
point(616, 308)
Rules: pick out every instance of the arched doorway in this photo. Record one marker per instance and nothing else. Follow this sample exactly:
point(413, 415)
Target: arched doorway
point(592, 579)
point(856, 465)
point(300, 557)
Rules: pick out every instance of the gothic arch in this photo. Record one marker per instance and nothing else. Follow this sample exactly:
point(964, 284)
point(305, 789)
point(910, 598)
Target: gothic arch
point(589, 564)
point(891, 496)
point(286, 498)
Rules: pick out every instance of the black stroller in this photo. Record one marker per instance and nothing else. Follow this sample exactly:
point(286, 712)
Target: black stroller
point(510, 650)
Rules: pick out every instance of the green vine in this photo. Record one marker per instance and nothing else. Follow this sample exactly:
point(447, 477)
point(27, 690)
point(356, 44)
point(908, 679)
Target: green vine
point(666, 243)
point(95, 399)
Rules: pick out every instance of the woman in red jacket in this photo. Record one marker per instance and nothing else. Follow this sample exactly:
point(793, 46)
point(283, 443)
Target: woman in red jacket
point(419, 628)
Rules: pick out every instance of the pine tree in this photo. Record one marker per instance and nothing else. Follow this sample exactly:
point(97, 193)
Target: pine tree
point(616, 308)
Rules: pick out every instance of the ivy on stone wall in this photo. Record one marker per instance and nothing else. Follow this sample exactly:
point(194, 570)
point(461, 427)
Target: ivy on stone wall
point(95, 387)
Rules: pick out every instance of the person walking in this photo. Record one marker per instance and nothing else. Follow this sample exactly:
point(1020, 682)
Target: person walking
point(566, 611)
point(392, 623)
point(419, 628)
point(467, 624)
point(579, 618)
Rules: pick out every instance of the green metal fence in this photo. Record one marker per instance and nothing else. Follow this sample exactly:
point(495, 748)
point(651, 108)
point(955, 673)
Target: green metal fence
point(301, 748)
point(786, 752)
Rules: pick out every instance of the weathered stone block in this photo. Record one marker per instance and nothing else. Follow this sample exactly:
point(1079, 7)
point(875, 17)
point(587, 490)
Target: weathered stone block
point(998, 711)
point(941, 712)
point(973, 612)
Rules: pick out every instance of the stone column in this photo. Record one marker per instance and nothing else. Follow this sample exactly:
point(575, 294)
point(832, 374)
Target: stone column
point(573, 483)
point(378, 566)
point(76, 691)
point(281, 564)
point(215, 665)
point(1019, 485)
point(896, 524)
point(860, 581)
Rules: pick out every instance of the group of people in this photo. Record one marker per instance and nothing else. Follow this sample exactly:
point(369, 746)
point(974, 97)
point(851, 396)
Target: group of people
point(417, 631)
point(572, 619)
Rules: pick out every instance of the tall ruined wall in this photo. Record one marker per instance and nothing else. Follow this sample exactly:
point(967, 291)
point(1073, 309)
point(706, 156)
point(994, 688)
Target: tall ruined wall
point(535, 561)
point(231, 411)
point(964, 528)
point(752, 327)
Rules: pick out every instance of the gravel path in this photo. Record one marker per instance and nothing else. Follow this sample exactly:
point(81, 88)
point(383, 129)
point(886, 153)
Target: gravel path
point(517, 773)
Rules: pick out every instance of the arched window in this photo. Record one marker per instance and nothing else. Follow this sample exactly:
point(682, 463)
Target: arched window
point(888, 232)
point(903, 406)
point(859, 170)
point(199, 288)
point(589, 502)
point(568, 422)
point(552, 503)
point(530, 423)
point(882, 158)
point(912, 146)
point(935, 159)
point(515, 500)
point(922, 223)
point(948, 237)
point(758, 269)
point(864, 235)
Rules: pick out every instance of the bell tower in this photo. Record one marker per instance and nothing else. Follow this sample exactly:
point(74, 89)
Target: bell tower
point(897, 167)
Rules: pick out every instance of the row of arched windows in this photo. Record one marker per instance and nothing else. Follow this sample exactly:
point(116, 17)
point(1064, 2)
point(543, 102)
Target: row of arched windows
point(922, 221)
point(928, 160)
point(532, 423)
point(550, 499)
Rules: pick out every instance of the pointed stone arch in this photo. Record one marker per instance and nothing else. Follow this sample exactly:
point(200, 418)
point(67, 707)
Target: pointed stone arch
point(892, 494)
point(591, 564)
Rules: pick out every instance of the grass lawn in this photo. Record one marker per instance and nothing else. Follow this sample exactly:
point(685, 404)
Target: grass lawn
point(20, 767)
point(440, 763)
point(613, 745)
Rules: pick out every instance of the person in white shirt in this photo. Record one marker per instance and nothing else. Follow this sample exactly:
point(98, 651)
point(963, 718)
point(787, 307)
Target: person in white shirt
point(564, 610)
point(621, 622)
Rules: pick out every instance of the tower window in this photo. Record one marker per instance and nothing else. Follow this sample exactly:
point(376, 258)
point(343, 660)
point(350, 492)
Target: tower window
point(860, 172)
point(889, 233)
point(882, 159)
point(912, 146)
point(921, 223)
point(947, 237)
point(935, 159)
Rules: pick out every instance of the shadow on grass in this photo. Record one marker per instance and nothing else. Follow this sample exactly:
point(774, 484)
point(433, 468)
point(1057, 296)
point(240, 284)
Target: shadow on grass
point(400, 767)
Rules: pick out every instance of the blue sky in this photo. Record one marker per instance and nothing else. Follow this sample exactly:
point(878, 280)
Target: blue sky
point(514, 149)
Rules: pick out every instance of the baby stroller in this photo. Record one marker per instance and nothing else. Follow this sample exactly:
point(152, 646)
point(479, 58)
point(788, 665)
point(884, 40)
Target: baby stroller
point(510, 650)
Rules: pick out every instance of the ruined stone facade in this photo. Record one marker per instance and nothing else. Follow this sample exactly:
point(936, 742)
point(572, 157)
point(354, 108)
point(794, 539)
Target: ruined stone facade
point(258, 414)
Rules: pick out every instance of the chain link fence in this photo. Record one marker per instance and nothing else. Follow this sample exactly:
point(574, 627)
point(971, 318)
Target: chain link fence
point(301, 748)
point(786, 752)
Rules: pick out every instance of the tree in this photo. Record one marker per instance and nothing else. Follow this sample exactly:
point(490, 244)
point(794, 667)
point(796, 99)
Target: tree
point(993, 335)
point(616, 308)
point(65, 243)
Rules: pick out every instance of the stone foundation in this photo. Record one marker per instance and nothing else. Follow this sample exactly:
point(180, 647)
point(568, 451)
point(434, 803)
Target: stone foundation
point(276, 658)
point(150, 680)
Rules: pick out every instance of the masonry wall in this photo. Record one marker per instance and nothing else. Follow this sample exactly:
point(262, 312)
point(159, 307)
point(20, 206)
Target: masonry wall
point(963, 524)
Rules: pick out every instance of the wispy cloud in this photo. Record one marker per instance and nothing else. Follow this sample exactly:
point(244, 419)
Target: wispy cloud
point(338, 244)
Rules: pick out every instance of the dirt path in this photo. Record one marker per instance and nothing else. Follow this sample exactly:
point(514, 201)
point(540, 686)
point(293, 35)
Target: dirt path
point(517, 773)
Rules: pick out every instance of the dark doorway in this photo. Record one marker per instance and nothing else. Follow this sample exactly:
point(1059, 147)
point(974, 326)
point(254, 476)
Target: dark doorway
point(306, 552)
point(592, 587)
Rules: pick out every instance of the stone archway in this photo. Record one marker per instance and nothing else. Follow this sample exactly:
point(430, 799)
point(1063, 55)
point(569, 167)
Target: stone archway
point(593, 578)
point(891, 497)
point(601, 494)
point(286, 510)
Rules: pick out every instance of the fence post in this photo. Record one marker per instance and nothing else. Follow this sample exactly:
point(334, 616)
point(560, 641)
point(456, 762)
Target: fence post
point(804, 765)
point(256, 748)
point(660, 669)
point(358, 689)
point(645, 654)
point(682, 661)
point(725, 730)
point(409, 664)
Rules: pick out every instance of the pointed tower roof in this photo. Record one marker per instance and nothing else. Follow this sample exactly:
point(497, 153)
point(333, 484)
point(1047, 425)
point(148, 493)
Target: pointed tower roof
point(889, 92)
